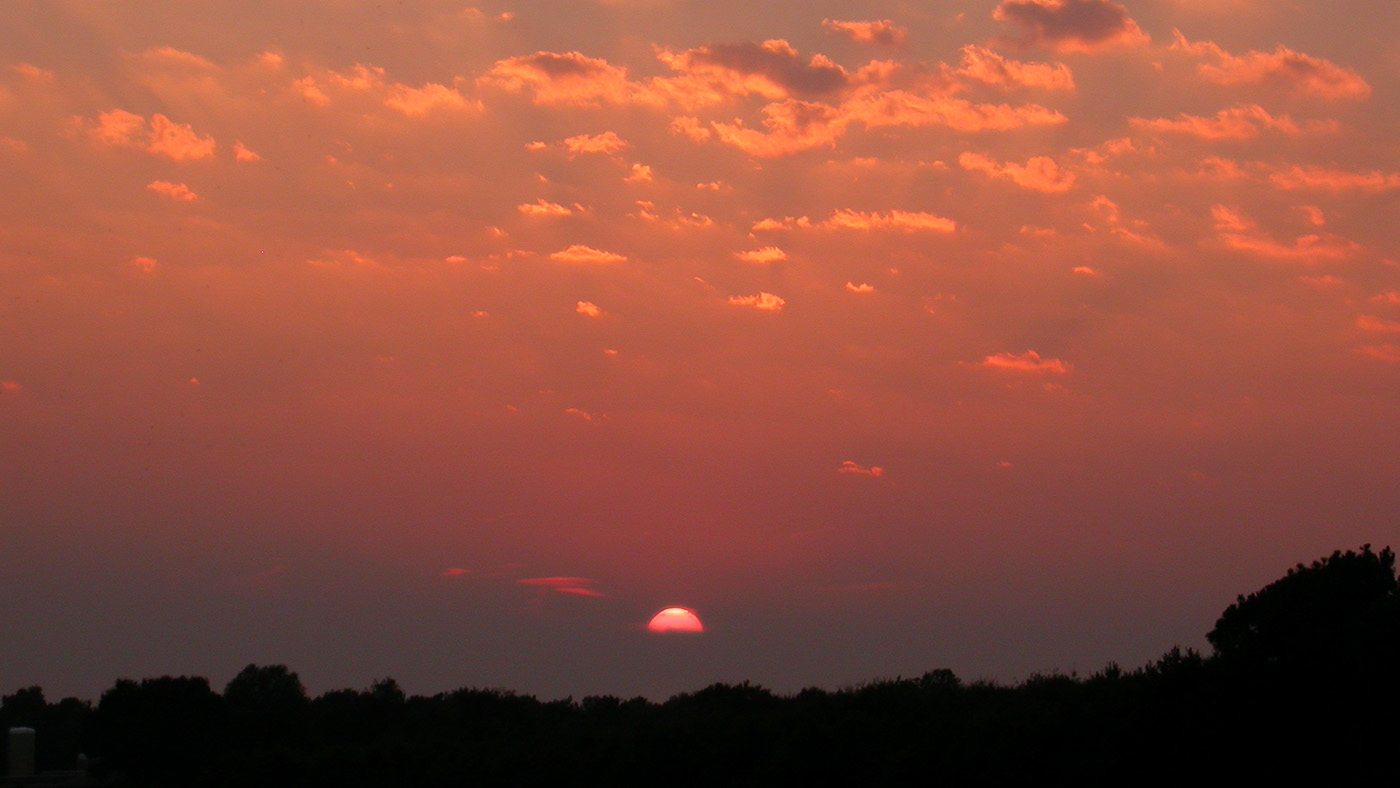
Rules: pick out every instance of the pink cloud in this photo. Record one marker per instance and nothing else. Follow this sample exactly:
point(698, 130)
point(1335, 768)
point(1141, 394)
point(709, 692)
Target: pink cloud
point(641, 173)
point(119, 127)
point(160, 136)
point(862, 288)
point(1389, 353)
point(418, 102)
point(1298, 72)
point(1039, 173)
point(578, 253)
point(884, 32)
point(10, 386)
point(990, 68)
point(763, 301)
point(456, 572)
point(768, 254)
point(570, 78)
point(606, 143)
point(577, 586)
point(1071, 25)
point(1030, 361)
point(175, 191)
point(856, 469)
point(144, 264)
point(243, 154)
point(790, 127)
point(1377, 325)
point(588, 309)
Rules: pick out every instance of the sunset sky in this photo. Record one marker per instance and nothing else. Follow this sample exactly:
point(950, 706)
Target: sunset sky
point(451, 342)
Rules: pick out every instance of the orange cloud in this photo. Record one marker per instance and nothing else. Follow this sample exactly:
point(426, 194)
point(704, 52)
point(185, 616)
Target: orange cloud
point(1334, 180)
point(1377, 325)
point(1071, 25)
point(1241, 122)
point(10, 386)
point(1030, 361)
point(768, 254)
point(641, 173)
point(432, 96)
point(905, 221)
point(1039, 173)
point(1240, 233)
point(588, 309)
point(543, 207)
point(990, 68)
point(456, 572)
point(883, 32)
point(578, 253)
point(175, 191)
point(178, 140)
point(772, 69)
point(1298, 72)
point(606, 143)
point(242, 153)
point(144, 264)
point(1389, 353)
point(764, 301)
point(570, 78)
point(856, 469)
point(861, 288)
point(577, 586)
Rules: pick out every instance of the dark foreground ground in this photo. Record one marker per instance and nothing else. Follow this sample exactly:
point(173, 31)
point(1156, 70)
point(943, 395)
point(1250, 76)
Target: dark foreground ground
point(1302, 685)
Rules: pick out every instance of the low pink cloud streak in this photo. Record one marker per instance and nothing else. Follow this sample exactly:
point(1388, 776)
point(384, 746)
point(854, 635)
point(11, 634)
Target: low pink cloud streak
point(882, 32)
point(1029, 361)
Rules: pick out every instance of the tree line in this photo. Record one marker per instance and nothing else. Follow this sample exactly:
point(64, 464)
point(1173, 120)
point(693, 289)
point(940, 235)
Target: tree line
point(1302, 682)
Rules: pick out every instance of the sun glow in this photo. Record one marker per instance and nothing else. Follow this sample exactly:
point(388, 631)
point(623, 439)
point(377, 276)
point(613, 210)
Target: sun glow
point(675, 619)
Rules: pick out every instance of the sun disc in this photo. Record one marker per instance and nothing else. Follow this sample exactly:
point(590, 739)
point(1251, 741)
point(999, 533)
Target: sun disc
point(675, 619)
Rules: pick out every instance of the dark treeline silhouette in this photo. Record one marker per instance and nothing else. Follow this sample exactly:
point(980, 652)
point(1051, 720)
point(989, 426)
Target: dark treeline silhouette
point(1302, 685)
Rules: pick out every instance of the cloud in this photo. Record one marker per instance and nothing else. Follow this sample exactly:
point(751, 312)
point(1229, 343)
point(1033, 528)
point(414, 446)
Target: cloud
point(641, 173)
point(690, 127)
point(570, 78)
point(1334, 180)
point(577, 586)
point(243, 154)
point(883, 32)
point(1389, 353)
point(1071, 25)
point(856, 469)
point(764, 301)
point(418, 102)
point(119, 127)
point(768, 254)
point(584, 415)
point(1240, 233)
point(175, 191)
point(1030, 361)
point(10, 386)
point(456, 572)
point(772, 69)
point(1377, 325)
point(1241, 122)
point(990, 68)
point(904, 221)
point(178, 140)
point(1039, 173)
point(588, 309)
point(144, 264)
point(1298, 72)
point(578, 253)
point(860, 288)
point(606, 143)
point(543, 207)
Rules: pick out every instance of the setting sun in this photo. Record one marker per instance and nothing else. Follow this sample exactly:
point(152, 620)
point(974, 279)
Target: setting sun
point(675, 619)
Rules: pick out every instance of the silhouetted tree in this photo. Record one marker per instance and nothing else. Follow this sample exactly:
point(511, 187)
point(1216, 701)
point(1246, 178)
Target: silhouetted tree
point(1341, 612)
point(160, 731)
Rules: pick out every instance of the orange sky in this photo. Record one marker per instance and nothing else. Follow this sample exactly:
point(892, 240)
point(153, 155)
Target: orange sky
point(451, 342)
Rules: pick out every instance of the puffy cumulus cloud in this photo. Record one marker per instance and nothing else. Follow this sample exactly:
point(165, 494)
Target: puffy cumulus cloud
point(570, 78)
point(691, 127)
point(242, 153)
point(903, 221)
point(861, 289)
point(1242, 122)
point(586, 255)
point(1071, 25)
point(1238, 232)
point(884, 32)
point(1039, 173)
point(990, 68)
point(853, 468)
point(1297, 72)
point(772, 69)
point(606, 143)
point(641, 173)
point(588, 309)
point(1330, 179)
point(543, 207)
point(768, 254)
point(763, 300)
point(576, 586)
point(791, 126)
point(1029, 361)
point(160, 135)
point(175, 191)
point(417, 102)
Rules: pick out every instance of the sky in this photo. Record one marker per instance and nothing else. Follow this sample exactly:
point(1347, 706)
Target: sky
point(451, 342)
